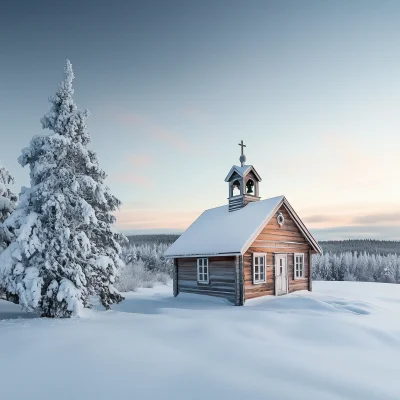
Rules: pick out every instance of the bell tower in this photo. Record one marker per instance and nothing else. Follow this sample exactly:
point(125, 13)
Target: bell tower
point(243, 183)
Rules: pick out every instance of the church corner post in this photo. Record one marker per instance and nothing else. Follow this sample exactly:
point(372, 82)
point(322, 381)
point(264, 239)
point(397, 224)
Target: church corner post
point(175, 278)
point(310, 271)
point(239, 286)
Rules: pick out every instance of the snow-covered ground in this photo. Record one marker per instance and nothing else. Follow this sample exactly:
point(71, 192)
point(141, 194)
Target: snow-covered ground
point(340, 342)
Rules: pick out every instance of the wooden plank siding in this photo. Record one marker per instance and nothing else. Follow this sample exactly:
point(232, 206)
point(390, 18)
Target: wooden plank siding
point(222, 277)
point(275, 239)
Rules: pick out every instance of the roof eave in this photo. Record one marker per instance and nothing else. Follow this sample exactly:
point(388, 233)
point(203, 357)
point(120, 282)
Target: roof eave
point(226, 254)
point(303, 228)
point(256, 174)
point(233, 169)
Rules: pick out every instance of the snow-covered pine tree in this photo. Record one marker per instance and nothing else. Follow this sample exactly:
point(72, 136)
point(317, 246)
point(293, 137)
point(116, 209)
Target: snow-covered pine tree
point(65, 249)
point(8, 202)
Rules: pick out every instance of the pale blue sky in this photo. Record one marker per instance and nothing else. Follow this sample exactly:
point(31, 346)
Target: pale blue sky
point(312, 87)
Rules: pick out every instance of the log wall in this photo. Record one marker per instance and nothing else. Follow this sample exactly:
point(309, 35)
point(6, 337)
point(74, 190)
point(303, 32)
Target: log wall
point(222, 277)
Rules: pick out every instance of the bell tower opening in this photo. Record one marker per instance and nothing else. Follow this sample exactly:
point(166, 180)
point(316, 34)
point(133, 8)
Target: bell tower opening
point(243, 183)
point(235, 188)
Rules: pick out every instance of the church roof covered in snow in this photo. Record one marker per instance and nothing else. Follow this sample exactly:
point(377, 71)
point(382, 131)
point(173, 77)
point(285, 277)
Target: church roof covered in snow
point(220, 232)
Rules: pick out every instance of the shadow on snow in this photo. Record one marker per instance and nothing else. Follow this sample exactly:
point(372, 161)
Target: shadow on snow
point(13, 311)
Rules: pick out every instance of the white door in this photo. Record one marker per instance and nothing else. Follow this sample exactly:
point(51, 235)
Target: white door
point(281, 281)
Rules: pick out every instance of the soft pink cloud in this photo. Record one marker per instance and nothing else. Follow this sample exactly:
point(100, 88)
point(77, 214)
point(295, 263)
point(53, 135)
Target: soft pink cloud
point(154, 130)
point(133, 179)
point(134, 171)
point(385, 218)
point(355, 166)
point(348, 164)
point(319, 218)
point(153, 218)
point(329, 216)
point(140, 160)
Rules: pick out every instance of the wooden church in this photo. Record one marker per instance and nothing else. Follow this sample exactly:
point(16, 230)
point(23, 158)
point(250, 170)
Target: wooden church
point(245, 249)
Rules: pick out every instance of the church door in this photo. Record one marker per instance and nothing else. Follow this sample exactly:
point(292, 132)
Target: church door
point(281, 275)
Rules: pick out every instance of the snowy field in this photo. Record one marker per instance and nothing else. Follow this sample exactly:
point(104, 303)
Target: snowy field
point(340, 342)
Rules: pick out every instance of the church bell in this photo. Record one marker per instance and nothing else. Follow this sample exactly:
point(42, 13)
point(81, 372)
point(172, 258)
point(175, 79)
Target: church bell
point(249, 186)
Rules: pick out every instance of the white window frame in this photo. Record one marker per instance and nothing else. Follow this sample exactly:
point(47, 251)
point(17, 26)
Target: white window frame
point(202, 275)
point(257, 268)
point(301, 265)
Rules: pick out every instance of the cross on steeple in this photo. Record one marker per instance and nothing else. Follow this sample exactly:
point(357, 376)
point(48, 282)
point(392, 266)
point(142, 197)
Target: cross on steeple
point(242, 158)
point(241, 145)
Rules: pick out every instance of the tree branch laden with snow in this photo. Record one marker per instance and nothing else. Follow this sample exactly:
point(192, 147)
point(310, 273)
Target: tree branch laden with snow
point(8, 202)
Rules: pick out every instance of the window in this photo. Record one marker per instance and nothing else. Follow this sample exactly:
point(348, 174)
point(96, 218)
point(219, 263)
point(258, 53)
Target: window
point(202, 270)
point(298, 266)
point(281, 219)
point(259, 268)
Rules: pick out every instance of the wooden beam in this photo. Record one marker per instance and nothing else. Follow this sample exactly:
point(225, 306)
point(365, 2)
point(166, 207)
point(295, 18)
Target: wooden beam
point(273, 272)
point(175, 278)
point(237, 281)
point(310, 270)
point(242, 286)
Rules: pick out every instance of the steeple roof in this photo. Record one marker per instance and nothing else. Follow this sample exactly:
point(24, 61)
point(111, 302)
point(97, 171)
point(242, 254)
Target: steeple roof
point(242, 171)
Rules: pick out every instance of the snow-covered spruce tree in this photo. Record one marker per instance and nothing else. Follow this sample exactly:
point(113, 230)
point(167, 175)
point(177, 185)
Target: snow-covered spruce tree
point(8, 202)
point(65, 248)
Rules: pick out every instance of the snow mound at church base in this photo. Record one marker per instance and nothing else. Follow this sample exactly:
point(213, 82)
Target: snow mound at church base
point(340, 342)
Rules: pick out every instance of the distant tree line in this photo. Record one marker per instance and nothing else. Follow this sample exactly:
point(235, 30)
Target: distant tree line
point(355, 266)
point(153, 239)
point(370, 246)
